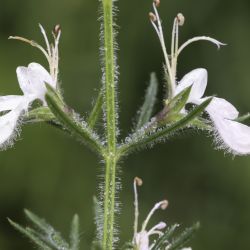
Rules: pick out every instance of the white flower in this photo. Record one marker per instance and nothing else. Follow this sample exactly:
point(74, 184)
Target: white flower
point(232, 135)
point(32, 81)
point(141, 239)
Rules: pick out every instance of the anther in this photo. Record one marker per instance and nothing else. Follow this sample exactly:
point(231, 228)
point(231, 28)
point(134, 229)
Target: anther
point(138, 181)
point(157, 3)
point(181, 19)
point(164, 204)
point(152, 17)
point(57, 29)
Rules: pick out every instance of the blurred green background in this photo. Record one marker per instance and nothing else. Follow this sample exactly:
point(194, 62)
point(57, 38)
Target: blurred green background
point(55, 177)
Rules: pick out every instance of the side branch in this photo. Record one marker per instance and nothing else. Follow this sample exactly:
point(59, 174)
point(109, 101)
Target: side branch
point(72, 123)
point(143, 138)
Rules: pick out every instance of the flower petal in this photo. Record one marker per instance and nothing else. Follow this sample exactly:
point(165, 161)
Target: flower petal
point(31, 80)
point(8, 124)
point(10, 102)
point(42, 72)
point(223, 108)
point(197, 78)
point(233, 136)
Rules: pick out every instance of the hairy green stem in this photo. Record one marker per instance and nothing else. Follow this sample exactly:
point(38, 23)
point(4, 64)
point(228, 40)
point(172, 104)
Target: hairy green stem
point(110, 114)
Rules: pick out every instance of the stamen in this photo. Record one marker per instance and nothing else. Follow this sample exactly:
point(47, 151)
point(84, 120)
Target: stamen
point(152, 17)
point(57, 33)
point(173, 49)
point(45, 39)
point(159, 32)
point(181, 19)
point(156, 228)
point(200, 38)
point(160, 205)
point(57, 30)
point(32, 43)
point(137, 182)
point(157, 3)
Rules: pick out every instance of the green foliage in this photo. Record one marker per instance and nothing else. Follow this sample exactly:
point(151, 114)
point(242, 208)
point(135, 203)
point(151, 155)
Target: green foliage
point(167, 241)
point(45, 237)
point(31, 235)
point(145, 112)
point(96, 111)
point(143, 138)
point(75, 233)
point(147, 132)
point(41, 114)
point(179, 101)
point(71, 121)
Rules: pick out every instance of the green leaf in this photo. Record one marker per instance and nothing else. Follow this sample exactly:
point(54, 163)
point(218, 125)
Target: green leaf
point(49, 234)
point(179, 101)
point(173, 107)
point(161, 242)
point(30, 235)
point(142, 139)
point(96, 111)
point(146, 110)
point(38, 222)
point(41, 114)
point(75, 233)
point(184, 237)
point(71, 121)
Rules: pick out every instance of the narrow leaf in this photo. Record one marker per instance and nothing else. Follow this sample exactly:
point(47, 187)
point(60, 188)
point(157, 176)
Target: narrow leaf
point(30, 235)
point(74, 233)
point(184, 237)
point(96, 111)
point(71, 121)
point(49, 234)
point(165, 237)
point(173, 107)
point(179, 101)
point(141, 139)
point(146, 110)
point(41, 114)
point(38, 222)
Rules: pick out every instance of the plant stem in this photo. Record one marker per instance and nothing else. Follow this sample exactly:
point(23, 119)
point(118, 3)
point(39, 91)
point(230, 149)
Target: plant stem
point(110, 114)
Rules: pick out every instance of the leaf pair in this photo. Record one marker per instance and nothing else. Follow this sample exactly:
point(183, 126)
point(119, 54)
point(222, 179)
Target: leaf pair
point(45, 237)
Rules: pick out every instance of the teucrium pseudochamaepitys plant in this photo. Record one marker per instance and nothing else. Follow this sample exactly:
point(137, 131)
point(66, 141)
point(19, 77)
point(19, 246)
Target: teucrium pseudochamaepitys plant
point(222, 121)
